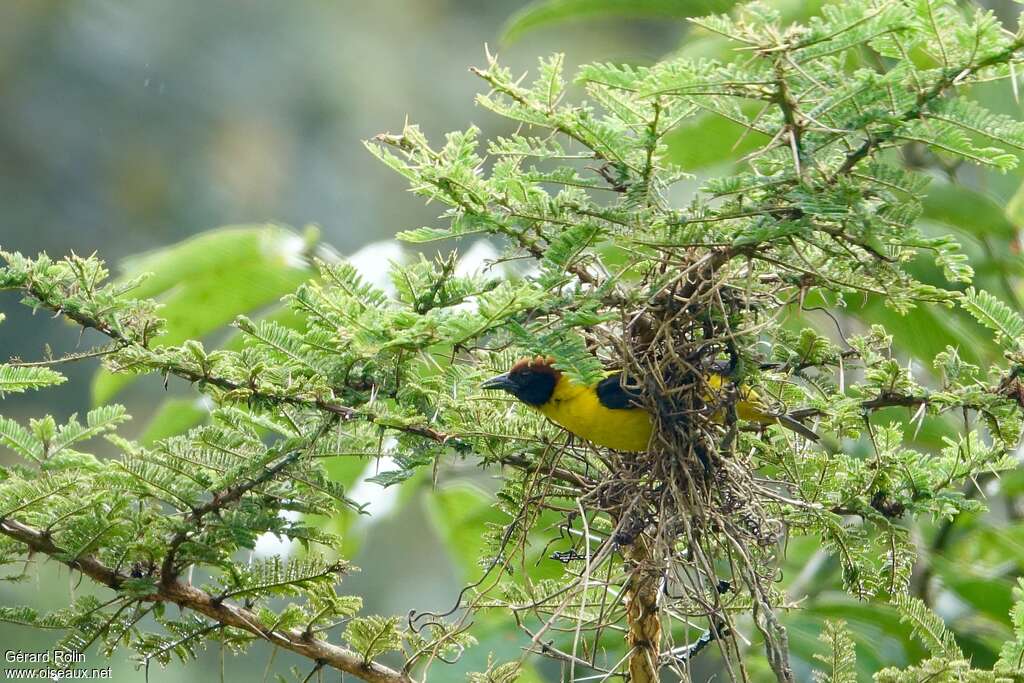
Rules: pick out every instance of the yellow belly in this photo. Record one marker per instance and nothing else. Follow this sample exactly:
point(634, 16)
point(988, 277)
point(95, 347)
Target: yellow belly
point(748, 406)
point(579, 411)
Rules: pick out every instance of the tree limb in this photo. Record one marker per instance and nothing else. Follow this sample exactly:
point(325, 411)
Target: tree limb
point(223, 612)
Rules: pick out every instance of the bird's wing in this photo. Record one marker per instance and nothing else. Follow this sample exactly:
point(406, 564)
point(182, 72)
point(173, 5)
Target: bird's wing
point(612, 394)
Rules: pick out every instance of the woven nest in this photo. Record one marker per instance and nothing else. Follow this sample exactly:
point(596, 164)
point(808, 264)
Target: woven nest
point(689, 514)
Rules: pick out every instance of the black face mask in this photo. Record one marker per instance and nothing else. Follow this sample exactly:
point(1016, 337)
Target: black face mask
point(529, 386)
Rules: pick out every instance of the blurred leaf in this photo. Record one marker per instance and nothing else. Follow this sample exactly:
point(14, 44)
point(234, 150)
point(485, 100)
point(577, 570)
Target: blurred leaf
point(976, 213)
point(174, 416)
point(880, 638)
point(981, 647)
point(927, 330)
point(207, 281)
point(1012, 483)
point(989, 595)
point(547, 12)
point(1015, 207)
point(711, 140)
point(459, 512)
point(994, 544)
point(347, 470)
point(212, 251)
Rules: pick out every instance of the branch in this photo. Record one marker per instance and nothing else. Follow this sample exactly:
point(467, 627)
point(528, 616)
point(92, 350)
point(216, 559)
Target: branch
point(346, 413)
point(790, 115)
point(226, 613)
point(891, 400)
point(950, 78)
point(643, 615)
point(220, 500)
point(560, 473)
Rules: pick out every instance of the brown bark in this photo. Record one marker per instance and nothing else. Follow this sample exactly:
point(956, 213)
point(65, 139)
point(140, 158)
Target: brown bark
point(224, 612)
point(642, 615)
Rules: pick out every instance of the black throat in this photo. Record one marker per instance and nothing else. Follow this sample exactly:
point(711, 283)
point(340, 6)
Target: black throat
point(535, 388)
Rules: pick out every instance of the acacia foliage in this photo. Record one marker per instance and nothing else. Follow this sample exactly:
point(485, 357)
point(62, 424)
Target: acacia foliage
point(629, 267)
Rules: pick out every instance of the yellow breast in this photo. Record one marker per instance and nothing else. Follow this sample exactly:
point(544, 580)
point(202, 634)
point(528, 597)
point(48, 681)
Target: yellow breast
point(577, 409)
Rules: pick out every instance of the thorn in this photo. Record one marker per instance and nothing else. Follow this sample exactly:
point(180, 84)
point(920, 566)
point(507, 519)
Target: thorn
point(1013, 83)
point(796, 151)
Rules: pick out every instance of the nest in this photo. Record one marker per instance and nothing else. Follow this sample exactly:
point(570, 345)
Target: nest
point(692, 521)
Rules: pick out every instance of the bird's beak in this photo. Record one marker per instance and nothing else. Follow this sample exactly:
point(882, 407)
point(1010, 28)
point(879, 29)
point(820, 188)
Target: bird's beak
point(501, 382)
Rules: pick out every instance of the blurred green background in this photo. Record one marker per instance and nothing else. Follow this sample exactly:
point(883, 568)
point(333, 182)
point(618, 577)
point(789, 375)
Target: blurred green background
point(130, 126)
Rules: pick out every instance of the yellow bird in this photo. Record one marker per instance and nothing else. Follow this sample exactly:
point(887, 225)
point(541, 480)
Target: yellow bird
point(605, 413)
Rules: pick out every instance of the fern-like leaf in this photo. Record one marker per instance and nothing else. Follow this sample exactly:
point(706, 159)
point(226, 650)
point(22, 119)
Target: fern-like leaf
point(16, 379)
point(373, 636)
point(995, 315)
point(841, 660)
point(928, 627)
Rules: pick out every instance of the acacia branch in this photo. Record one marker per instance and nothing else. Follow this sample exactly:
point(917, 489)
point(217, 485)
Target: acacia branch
point(220, 500)
point(49, 301)
point(531, 245)
point(226, 613)
point(344, 412)
point(950, 77)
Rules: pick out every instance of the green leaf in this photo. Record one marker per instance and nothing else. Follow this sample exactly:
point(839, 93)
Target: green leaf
point(98, 421)
point(424, 235)
point(508, 672)
point(841, 660)
point(1011, 656)
point(205, 282)
point(277, 576)
point(976, 213)
point(373, 636)
point(174, 416)
point(995, 315)
point(928, 627)
point(20, 440)
point(548, 12)
point(16, 379)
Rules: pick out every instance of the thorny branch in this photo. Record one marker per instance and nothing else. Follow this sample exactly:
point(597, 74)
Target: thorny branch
point(224, 612)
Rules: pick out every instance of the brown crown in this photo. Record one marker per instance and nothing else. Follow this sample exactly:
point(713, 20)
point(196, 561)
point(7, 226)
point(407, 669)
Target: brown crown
point(536, 364)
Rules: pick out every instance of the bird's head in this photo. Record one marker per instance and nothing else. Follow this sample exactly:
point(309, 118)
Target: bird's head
point(531, 380)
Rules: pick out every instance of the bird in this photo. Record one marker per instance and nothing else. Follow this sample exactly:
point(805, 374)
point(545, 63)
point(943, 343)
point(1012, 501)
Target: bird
point(607, 414)
point(749, 405)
